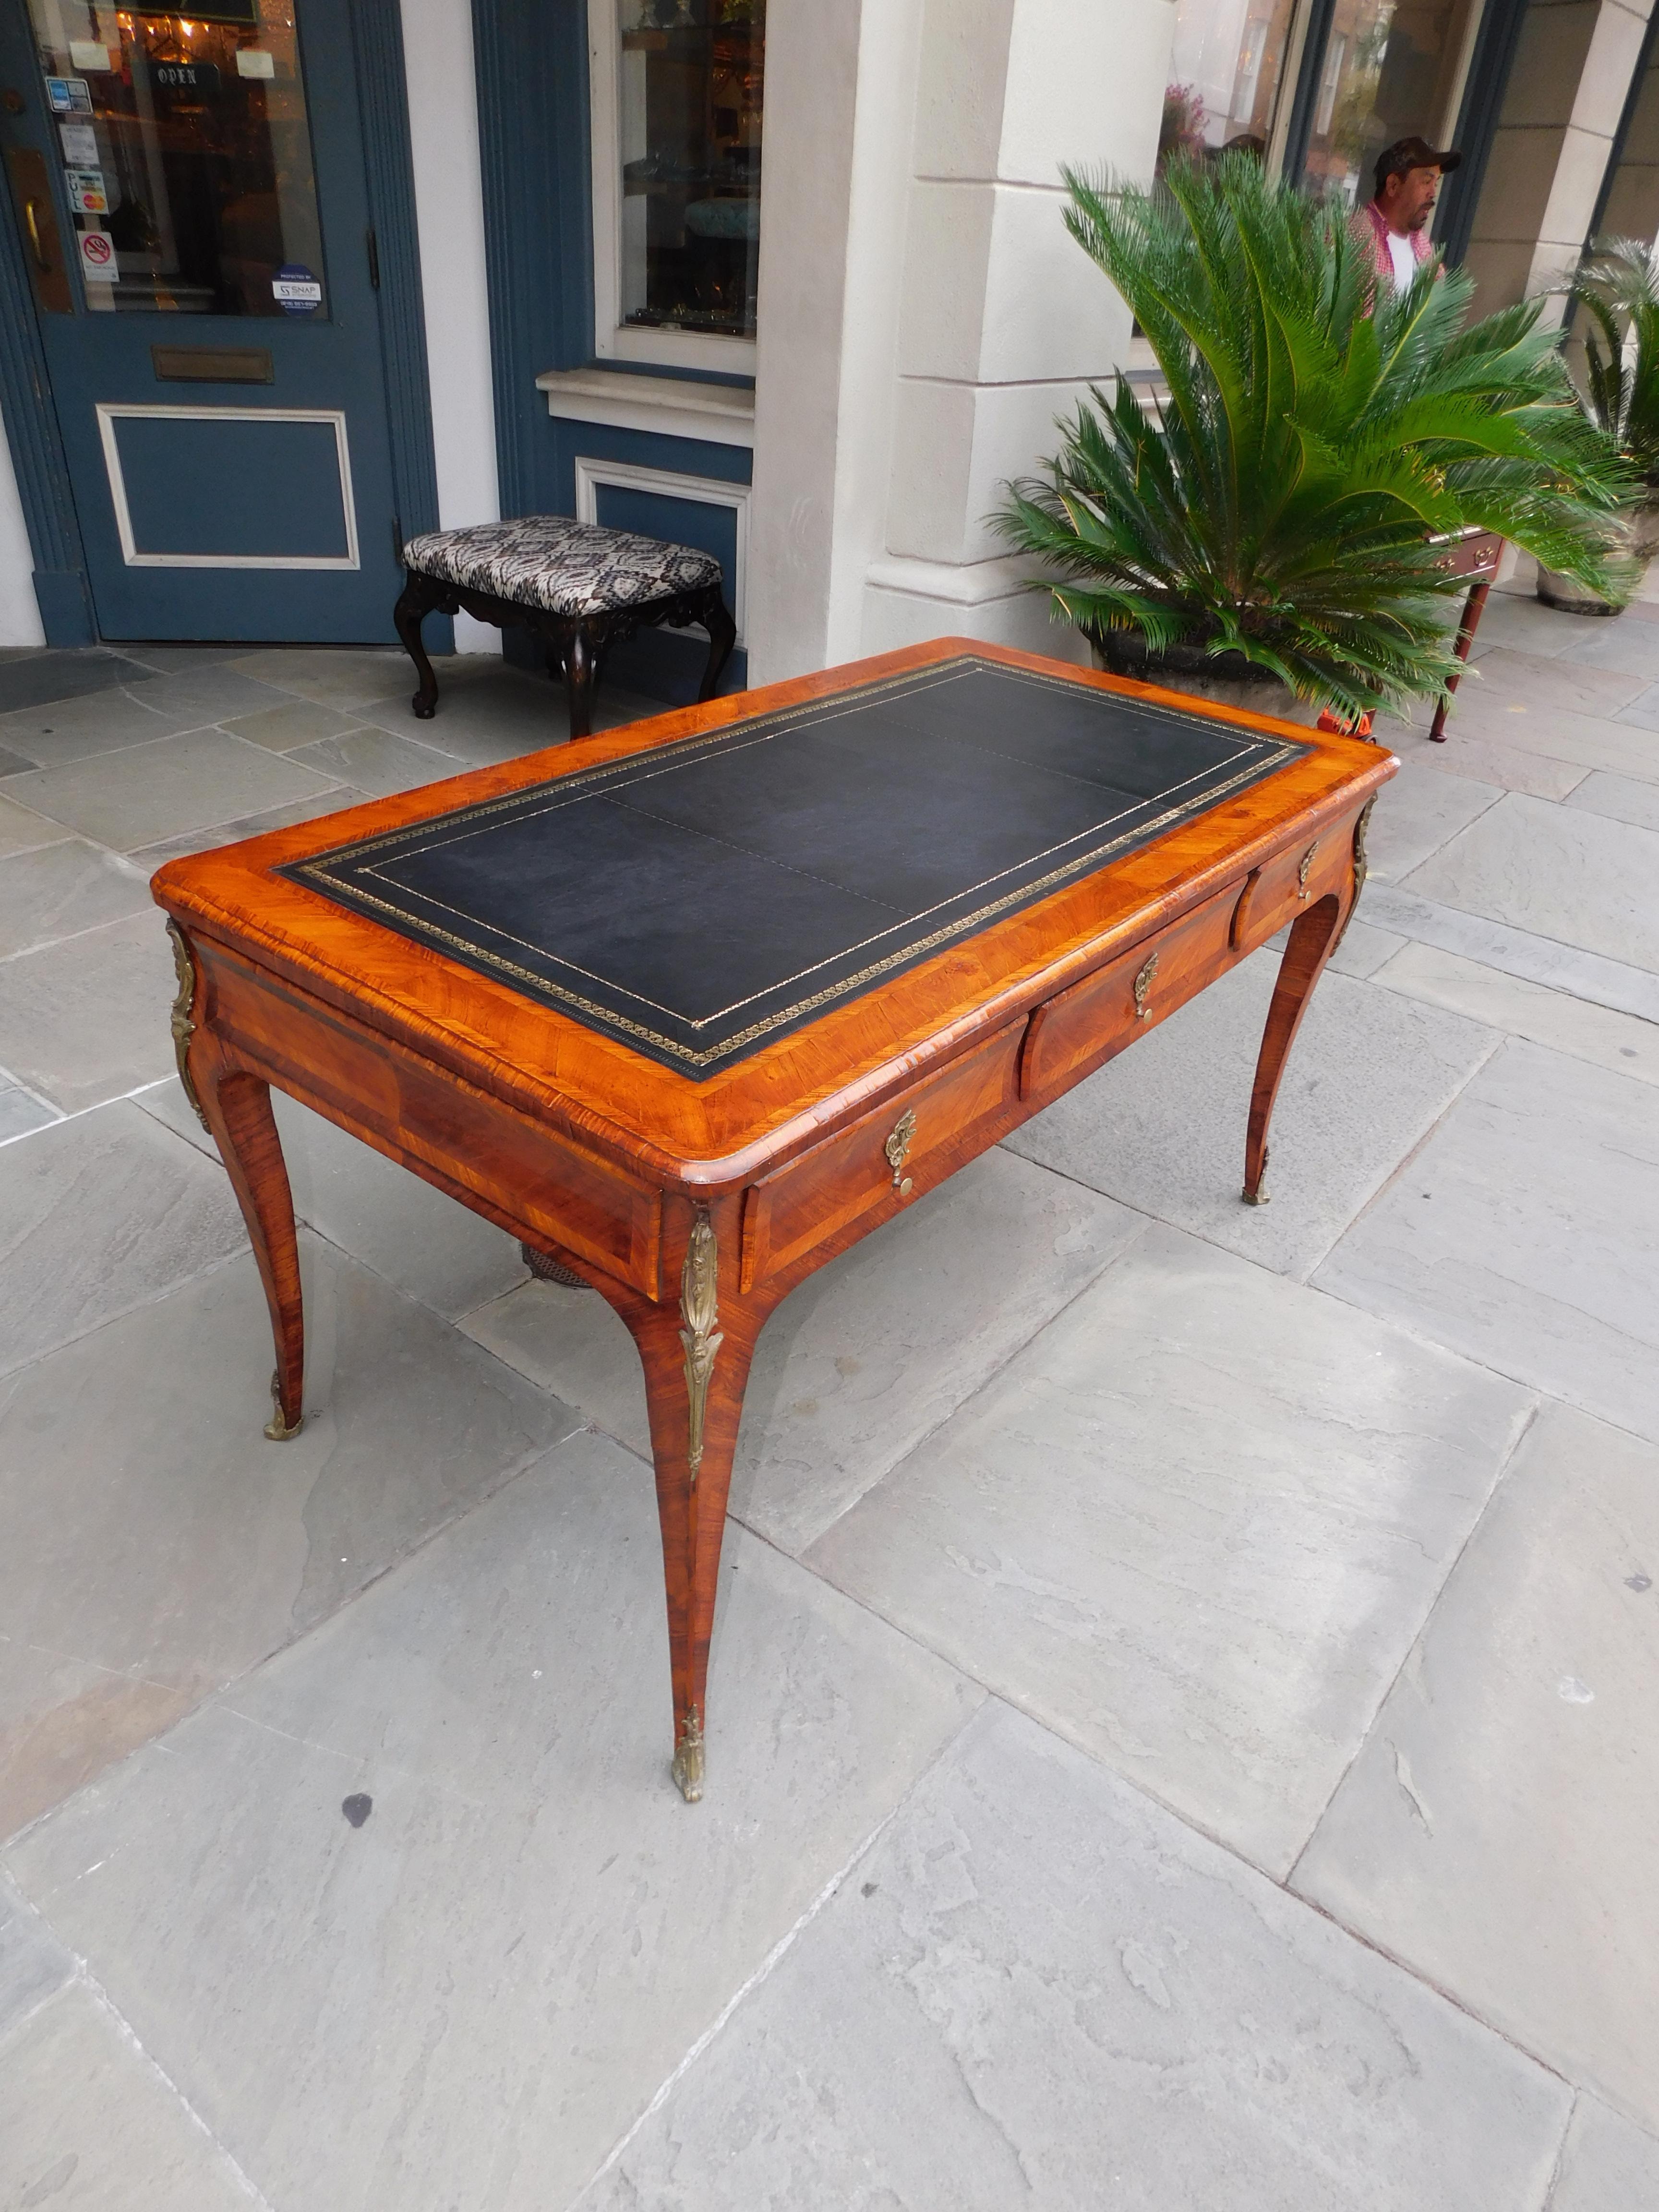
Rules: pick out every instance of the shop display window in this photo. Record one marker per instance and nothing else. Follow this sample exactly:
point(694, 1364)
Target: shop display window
point(1391, 68)
point(678, 105)
point(1226, 71)
point(1368, 72)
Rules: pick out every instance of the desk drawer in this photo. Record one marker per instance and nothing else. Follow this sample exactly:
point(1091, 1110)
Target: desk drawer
point(904, 1147)
point(1290, 883)
point(1086, 1026)
point(1474, 554)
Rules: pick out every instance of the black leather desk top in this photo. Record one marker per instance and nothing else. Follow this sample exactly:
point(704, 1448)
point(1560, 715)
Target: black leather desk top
point(700, 899)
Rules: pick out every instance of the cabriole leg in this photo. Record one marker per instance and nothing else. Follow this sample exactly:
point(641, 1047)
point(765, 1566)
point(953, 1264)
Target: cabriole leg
point(696, 1355)
point(722, 636)
point(412, 607)
point(579, 681)
point(1313, 939)
point(236, 1107)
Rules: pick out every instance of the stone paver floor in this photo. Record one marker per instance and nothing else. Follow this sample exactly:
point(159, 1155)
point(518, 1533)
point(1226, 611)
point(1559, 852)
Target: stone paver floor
point(1183, 1693)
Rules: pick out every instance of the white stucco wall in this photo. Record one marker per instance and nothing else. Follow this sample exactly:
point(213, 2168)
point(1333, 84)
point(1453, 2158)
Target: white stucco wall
point(443, 125)
point(20, 618)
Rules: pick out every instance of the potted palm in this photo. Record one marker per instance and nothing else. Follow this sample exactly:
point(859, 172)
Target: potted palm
point(1265, 525)
point(1617, 297)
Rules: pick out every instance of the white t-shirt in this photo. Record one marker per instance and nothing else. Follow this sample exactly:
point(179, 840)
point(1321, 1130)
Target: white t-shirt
point(1404, 259)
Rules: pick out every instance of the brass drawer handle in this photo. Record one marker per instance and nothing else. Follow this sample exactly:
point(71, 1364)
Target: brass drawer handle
point(1143, 986)
point(897, 1149)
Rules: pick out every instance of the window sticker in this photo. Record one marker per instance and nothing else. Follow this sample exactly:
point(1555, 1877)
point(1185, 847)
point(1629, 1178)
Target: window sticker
point(295, 290)
point(86, 190)
point(98, 265)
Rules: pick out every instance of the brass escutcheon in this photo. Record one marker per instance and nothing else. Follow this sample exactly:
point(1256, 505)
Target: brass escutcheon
point(1143, 987)
point(897, 1149)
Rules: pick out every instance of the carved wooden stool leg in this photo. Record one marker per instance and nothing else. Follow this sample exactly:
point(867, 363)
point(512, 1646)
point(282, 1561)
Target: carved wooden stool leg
point(579, 681)
point(722, 636)
point(412, 606)
point(1313, 939)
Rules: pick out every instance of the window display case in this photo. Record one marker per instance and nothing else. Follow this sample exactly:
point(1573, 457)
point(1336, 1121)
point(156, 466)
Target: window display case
point(677, 90)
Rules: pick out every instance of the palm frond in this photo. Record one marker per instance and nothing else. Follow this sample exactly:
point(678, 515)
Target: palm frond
point(1617, 291)
point(1280, 500)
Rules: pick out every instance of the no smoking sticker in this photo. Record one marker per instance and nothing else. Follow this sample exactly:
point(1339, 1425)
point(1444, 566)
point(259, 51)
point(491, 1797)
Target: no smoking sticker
point(98, 264)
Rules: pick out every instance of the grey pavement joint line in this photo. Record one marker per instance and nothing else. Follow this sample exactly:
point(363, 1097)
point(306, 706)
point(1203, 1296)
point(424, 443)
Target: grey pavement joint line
point(1522, 1433)
point(990, 1375)
point(123, 2027)
point(1533, 959)
point(1386, 1182)
point(785, 1943)
point(1554, 2181)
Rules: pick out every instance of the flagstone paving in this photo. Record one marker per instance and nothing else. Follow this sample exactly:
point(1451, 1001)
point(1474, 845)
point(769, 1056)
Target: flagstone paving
point(1183, 1682)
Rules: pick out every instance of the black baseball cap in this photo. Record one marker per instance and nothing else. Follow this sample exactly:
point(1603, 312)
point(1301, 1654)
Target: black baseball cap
point(1413, 154)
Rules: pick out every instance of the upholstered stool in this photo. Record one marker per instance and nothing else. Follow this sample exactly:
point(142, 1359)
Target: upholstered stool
point(578, 587)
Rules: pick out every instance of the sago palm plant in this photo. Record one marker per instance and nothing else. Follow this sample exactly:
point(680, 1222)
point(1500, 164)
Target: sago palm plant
point(1317, 431)
point(1616, 291)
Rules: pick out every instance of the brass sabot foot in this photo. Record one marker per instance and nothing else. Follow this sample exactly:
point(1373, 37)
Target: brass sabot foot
point(688, 1759)
point(1256, 1198)
point(278, 1430)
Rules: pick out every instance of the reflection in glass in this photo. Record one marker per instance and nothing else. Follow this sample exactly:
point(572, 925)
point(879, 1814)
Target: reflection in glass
point(691, 85)
point(186, 154)
point(1224, 73)
point(1393, 68)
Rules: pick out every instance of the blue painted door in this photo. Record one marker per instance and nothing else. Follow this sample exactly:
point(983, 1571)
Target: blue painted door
point(215, 355)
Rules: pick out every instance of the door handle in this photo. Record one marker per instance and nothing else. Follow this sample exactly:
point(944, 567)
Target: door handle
point(43, 260)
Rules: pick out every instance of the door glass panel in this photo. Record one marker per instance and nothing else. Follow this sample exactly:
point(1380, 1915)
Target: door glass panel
point(1391, 68)
point(1225, 74)
point(186, 155)
point(691, 77)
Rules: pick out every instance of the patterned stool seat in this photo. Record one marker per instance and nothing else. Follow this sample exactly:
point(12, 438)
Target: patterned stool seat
point(568, 568)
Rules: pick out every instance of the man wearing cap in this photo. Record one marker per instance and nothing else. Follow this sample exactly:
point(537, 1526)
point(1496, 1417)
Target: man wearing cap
point(1395, 222)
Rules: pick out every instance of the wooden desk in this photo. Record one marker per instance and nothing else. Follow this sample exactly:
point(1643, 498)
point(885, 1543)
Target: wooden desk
point(692, 1057)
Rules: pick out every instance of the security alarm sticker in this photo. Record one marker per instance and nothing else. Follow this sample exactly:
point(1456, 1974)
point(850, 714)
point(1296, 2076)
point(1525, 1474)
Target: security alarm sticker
point(67, 95)
point(295, 290)
point(98, 264)
point(86, 190)
point(80, 143)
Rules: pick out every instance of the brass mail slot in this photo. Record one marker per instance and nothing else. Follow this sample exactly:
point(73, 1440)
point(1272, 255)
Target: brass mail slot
point(212, 364)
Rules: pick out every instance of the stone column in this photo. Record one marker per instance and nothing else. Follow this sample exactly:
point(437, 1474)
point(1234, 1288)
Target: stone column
point(1561, 108)
point(924, 316)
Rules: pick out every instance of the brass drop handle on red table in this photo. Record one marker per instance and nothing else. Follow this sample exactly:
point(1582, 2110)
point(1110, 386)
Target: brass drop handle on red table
point(897, 1149)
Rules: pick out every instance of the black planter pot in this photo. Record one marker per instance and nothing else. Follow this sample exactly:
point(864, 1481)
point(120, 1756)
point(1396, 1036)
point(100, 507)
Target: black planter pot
point(1228, 678)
